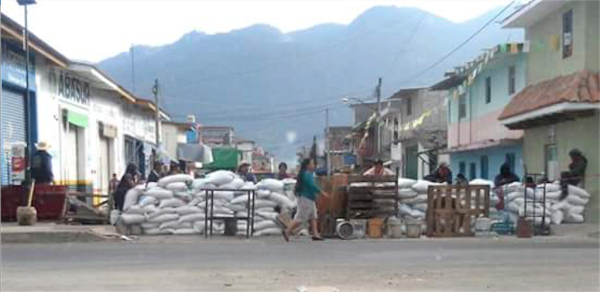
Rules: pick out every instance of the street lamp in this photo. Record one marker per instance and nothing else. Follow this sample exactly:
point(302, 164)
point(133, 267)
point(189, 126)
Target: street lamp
point(26, 3)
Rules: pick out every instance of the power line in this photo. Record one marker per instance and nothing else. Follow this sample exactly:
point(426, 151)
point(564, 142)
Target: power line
point(459, 46)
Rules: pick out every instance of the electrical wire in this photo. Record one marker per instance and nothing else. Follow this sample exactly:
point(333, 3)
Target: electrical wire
point(433, 65)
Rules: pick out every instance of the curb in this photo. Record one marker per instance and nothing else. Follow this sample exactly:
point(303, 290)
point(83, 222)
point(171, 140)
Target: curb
point(51, 237)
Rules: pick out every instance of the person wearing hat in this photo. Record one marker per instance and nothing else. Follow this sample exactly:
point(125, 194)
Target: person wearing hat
point(378, 169)
point(244, 172)
point(442, 174)
point(576, 171)
point(41, 164)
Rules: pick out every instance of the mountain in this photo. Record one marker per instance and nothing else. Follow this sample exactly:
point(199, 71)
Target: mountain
point(273, 86)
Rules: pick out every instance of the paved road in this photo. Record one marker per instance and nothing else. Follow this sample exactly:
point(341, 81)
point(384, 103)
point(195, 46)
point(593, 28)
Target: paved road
point(271, 265)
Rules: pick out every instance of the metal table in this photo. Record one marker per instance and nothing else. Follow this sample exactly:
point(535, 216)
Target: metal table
point(209, 212)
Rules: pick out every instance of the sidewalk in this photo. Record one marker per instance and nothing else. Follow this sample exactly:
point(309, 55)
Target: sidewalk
point(56, 233)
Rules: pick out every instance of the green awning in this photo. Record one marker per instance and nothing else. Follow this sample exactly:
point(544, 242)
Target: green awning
point(224, 158)
point(77, 119)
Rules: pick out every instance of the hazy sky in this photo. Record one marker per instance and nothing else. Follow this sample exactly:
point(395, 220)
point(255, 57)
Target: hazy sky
point(93, 30)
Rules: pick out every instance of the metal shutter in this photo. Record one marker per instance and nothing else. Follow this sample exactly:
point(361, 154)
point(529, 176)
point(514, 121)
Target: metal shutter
point(14, 127)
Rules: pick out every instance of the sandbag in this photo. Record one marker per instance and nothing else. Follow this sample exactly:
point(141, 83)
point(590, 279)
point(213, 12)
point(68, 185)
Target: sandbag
point(264, 204)
point(576, 210)
point(241, 199)
point(220, 177)
point(237, 207)
point(271, 184)
point(576, 200)
point(197, 201)
point(157, 231)
point(407, 193)
point(265, 225)
point(147, 200)
point(184, 231)
point(557, 217)
point(160, 194)
point(165, 181)
point(136, 209)
point(248, 186)
point(150, 225)
point(235, 184)
point(267, 215)
point(422, 186)
point(422, 198)
point(421, 207)
point(185, 210)
point(578, 191)
point(480, 181)
point(163, 218)
point(550, 188)
point(404, 210)
point(562, 205)
point(404, 183)
point(171, 203)
point(144, 187)
point(512, 196)
point(263, 194)
point(574, 218)
point(282, 200)
point(130, 219)
point(417, 214)
point(199, 183)
point(177, 186)
point(223, 195)
point(268, 231)
point(173, 224)
point(199, 225)
point(131, 198)
point(289, 181)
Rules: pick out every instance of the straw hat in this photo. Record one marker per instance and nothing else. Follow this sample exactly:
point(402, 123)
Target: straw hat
point(42, 146)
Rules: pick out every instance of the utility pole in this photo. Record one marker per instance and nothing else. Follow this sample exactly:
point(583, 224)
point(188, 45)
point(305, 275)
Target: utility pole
point(327, 142)
point(157, 115)
point(378, 92)
point(30, 146)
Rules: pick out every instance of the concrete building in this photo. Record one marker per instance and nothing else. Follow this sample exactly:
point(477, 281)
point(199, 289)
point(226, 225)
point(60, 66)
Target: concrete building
point(477, 93)
point(173, 134)
point(559, 108)
point(416, 123)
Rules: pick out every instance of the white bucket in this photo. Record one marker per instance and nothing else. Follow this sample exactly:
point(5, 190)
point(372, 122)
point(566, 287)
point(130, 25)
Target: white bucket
point(394, 228)
point(360, 227)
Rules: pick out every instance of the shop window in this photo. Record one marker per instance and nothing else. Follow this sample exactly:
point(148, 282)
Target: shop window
point(567, 35)
point(484, 167)
point(488, 89)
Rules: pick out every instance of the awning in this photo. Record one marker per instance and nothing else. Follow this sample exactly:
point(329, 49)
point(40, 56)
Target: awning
point(77, 119)
point(224, 158)
point(194, 153)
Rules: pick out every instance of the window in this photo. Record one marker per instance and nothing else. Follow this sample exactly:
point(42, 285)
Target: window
point(472, 171)
point(567, 37)
point(462, 167)
point(396, 129)
point(488, 90)
point(512, 80)
point(409, 106)
point(551, 162)
point(462, 106)
point(510, 159)
point(484, 167)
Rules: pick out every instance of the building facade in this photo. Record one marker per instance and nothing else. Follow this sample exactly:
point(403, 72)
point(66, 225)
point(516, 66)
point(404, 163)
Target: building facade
point(559, 108)
point(478, 91)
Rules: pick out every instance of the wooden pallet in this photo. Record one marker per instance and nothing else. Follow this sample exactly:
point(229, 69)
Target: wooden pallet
point(452, 208)
point(376, 197)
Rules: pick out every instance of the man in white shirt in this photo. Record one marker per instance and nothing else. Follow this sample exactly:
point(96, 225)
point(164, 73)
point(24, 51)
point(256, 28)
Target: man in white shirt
point(379, 170)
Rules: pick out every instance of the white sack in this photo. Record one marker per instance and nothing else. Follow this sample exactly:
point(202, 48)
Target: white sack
point(136, 209)
point(416, 200)
point(165, 181)
point(271, 184)
point(557, 217)
point(258, 204)
point(578, 191)
point(421, 207)
point(265, 225)
point(404, 209)
point(174, 224)
point(235, 184)
point(574, 218)
point(263, 194)
point(282, 200)
point(404, 183)
point(131, 198)
point(164, 218)
point(576, 200)
point(223, 195)
point(480, 181)
point(185, 196)
point(220, 177)
point(160, 194)
point(150, 225)
point(147, 200)
point(248, 186)
point(407, 193)
point(157, 231)
point(192, 217)
point(184, 231)
point(268, 231)
point(171, 203)
point(177, 186)
point(576, 210)
point(185, 210)
point(422, 186)
point(130, 219)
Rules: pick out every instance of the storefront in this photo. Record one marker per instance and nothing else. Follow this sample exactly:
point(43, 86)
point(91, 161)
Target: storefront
point(14, 107)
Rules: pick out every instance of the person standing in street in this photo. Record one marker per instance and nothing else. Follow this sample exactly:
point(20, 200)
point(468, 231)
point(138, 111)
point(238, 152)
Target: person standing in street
point(114, 183)
point(41, 164)
point(283, 171)
point(576, 171)
point(307, 192)
point(128, 181)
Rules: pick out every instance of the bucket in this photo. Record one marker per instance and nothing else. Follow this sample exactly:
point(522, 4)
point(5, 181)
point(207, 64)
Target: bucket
point(394, 228)
point(413, 230)
point(375, 228)
point(360, 227)
point(26, 216)
point(344, 230)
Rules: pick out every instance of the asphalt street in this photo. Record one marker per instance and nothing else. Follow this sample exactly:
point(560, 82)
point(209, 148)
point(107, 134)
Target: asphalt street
point(269, 264)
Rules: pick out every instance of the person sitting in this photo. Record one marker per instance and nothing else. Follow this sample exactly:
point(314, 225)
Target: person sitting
point(442, 174)
point(505, 176)
point(378, 169)
point(461, 180)
point(244, 173)
point(576, 171)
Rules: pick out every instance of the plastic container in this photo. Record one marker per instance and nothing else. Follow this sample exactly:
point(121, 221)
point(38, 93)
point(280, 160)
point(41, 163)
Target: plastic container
point(360, 227)
point(375, 228)
point(395, 227)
